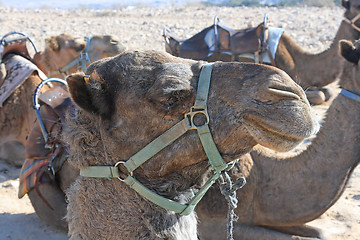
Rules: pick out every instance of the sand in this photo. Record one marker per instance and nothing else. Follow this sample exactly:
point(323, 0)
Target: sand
point(141, 28)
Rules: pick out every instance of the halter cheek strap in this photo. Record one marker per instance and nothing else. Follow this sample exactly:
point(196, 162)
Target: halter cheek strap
point(349, 94)
point(217, 163)
point(81, 61)
point(352, 22)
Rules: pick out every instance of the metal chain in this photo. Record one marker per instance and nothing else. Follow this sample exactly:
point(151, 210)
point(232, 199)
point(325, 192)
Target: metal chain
point(228, 189)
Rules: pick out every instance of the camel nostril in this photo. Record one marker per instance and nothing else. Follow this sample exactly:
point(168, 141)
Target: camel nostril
point(283, 93)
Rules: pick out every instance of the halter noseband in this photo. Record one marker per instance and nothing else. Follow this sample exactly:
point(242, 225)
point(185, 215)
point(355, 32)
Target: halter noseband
point(349, 94)
point(80, 61)
point(217, 164)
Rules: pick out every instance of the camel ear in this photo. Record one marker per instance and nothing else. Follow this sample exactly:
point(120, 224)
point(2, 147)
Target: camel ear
point(89, 94)
point(172, 84)
point(345, 4)
point(349, 52)
point(52, 43)
point(79, 45)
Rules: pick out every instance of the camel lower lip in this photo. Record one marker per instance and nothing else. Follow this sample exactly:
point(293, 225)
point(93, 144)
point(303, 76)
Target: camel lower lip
point(272, 131)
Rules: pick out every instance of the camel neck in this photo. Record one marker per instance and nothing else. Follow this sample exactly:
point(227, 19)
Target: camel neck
point(319, 173)
point(317, 69)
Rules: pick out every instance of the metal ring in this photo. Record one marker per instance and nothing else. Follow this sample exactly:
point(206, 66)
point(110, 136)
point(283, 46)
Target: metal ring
point(117, 164)
point(193, 112)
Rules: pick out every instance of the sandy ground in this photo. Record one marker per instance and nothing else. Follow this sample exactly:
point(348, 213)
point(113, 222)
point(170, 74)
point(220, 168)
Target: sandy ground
point(312, 28)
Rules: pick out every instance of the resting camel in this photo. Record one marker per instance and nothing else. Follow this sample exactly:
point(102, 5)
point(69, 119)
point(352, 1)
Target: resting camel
point(307, 69)
point(50, 193)
point(60, 50)
point(62, 54)
point(125, 102)
point(285, 192)
point(19, 78)
point(16, 115)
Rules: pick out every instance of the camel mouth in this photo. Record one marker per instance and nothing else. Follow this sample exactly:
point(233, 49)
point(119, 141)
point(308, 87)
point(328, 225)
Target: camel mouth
point(269, 129)
point(280, 138)
point(273, 139)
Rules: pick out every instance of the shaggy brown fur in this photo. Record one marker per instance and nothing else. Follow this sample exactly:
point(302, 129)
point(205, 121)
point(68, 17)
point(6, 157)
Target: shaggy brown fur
point(61, 50)
point(286, 192)
point(133, 98)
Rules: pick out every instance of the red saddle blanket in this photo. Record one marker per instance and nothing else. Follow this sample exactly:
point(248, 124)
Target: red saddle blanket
point(34, 168)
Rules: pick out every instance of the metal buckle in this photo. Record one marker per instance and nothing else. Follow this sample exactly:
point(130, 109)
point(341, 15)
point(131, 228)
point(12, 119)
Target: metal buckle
point(51, 169)
point(116, 165)
point(193, 111)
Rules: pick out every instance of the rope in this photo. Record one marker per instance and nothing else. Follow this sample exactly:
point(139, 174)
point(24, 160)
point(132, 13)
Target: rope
point(228, 189)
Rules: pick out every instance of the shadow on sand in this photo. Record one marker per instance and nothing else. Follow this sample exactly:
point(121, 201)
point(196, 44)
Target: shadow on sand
point(27, 227)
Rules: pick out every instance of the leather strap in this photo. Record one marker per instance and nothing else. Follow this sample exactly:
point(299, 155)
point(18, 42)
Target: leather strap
point(157, 145)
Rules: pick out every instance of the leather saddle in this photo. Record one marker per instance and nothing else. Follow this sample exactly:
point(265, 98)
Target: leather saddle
point(18, 43)
point(45, 158)
point(219, 39)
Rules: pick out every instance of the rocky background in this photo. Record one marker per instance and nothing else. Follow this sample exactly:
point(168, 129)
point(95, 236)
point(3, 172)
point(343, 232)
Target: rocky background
point(141, 28)
point(312, 28)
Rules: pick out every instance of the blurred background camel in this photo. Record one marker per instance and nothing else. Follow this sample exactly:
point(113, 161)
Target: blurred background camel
point(17, 115)
point(65, 53)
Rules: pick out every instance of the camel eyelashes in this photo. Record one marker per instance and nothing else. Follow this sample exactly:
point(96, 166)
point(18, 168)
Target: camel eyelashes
point(86, 78)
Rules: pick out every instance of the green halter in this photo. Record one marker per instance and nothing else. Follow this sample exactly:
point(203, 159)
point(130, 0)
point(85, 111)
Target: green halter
point(217, 163)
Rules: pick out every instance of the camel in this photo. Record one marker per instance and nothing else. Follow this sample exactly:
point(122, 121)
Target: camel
point(16, 119)
point(125, 102)
point(59, 51)
point(285, 192)
point(65, 54)
point(19, 79)
point(310, 71)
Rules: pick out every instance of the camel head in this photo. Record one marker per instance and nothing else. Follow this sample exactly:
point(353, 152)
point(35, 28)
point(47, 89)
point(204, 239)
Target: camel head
point(127, 101)
point(62, 49)
point(59, 51)
point(351, 52)
point(102, 46)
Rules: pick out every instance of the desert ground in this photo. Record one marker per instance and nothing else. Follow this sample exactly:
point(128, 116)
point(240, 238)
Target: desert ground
point(312, 28)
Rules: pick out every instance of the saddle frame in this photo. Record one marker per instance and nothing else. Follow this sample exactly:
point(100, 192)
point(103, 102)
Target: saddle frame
point(227, 41)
